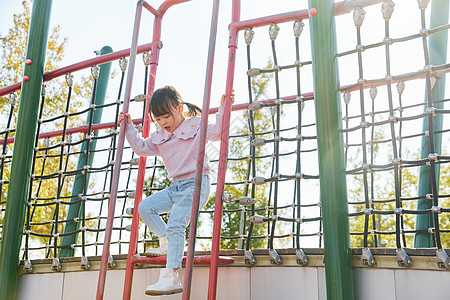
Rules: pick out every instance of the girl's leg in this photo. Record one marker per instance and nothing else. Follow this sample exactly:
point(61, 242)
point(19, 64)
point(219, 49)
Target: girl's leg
point(180, 217)
point(152, 206)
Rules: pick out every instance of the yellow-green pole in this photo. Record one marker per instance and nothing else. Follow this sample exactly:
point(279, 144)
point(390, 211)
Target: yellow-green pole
point(16, 202)
point(333, 186)
point(74, 209)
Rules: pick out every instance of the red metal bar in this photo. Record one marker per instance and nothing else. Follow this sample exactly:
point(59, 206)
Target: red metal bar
point(214, 267)
point(198, 260)
point(151, 9)
point(118, 162)
point(169, 3)
point(141, 171)
point(282, 18)
point(242, 106)
point(264, 21)
point(201, 152)
point(142, 161)
point(83, 65)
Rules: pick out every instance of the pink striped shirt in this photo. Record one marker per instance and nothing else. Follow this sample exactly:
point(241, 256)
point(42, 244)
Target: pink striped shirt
point(179, 148)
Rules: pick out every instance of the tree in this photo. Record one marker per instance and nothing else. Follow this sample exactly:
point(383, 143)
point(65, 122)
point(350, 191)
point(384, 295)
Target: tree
point(13, 52)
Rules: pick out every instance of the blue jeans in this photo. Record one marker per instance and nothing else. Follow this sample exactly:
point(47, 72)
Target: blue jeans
point(176, 199)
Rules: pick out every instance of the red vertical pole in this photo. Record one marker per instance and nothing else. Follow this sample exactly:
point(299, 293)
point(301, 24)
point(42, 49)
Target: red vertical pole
point(232, 45)
point(142, 162)
point(118, 163)
point(201, 153)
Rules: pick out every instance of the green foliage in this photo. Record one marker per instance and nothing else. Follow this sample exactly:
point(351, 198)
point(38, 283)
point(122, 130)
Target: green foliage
point(13, 54)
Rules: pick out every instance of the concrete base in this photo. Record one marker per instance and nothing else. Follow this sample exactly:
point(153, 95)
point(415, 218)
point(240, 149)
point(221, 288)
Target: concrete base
point(242, 283)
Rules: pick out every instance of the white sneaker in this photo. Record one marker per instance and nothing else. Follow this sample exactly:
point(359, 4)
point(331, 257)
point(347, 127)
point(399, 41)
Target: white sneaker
point(161, 251)
point(167, 284)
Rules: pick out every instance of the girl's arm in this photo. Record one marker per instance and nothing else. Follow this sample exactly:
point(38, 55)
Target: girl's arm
point(140, 146)
point(214, 130)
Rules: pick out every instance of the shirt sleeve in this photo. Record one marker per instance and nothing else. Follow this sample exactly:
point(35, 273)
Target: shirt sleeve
point(142, 147)
point(214, 130)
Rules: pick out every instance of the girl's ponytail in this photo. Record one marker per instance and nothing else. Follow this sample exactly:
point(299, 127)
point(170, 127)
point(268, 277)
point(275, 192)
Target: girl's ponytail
point(194, 110)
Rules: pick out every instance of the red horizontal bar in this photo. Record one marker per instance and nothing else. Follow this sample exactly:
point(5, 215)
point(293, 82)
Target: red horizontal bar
point(198, 260)
point(151, 9)
point(237, 107)
point(282, 18)
point(82, 65)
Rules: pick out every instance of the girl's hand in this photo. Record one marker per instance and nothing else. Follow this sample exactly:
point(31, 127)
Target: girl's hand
point(222, 102)
point(121, 117)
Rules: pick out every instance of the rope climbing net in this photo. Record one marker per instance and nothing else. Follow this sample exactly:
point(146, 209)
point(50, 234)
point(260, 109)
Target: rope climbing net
point(273, 155)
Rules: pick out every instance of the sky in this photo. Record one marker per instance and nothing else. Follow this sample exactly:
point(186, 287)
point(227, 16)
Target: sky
point(90, 25)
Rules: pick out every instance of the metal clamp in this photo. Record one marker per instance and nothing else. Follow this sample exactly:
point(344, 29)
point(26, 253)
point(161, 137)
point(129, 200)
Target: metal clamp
point(56, 265)
point(27, 266)
point(367, 257)
point(111, 263)
point(301, 257)
point(274, 257)
point(85, 265)
point(249, 259)
point(403, 259)
point(442, 259)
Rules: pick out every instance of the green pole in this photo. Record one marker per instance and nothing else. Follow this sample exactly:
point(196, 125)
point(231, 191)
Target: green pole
point(77, 189)
point(16, 202)
point(333, 185)
point(437, 45)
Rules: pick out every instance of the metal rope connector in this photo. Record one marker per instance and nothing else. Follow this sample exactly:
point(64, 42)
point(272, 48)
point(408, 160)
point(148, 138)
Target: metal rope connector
point(258, 142)
point(298, 27)
point(273, 31)
point(403, 259)
point(140, 98)
point(274, 257)
point(56, 265)
point(69, 79)
point(146, 57)
point(258, 180)
point(95, 71)
point(442, 259)
point(85, 265)
point(301, 257)
point(134, 161)
point(12, 98)
point(387, 9)
point(253, 72)
point(256, 219)
point(249, 259)
point(111, 263)
point(27, 267)
point(367, 257)
point(423, 4)
point(347, 97)
point(228, 198)
point(248, 35)
point(123, 62)
point(358, 16)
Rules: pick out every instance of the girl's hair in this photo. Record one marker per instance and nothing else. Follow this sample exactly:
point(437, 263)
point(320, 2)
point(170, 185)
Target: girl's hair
point(167, 98)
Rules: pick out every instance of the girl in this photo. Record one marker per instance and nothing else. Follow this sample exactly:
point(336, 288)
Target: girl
point(177, 142)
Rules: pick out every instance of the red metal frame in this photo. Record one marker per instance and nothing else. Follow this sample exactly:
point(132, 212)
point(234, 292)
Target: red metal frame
point(83, 65)
point(201, 151)
point(234, 28)
point(142, 161)
point(198, 260)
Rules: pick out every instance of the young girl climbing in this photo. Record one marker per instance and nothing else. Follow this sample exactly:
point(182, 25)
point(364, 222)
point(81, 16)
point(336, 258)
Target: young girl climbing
point(176, 141)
